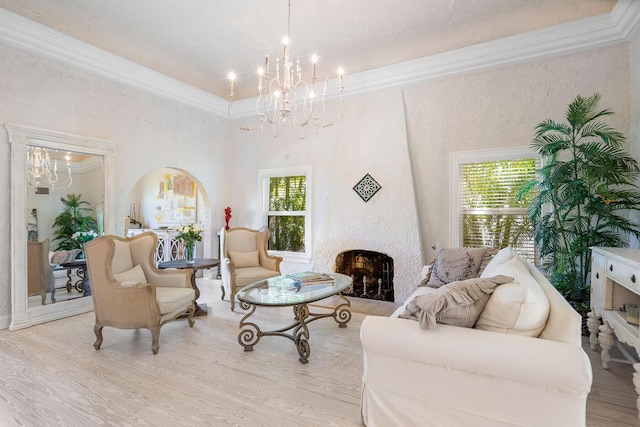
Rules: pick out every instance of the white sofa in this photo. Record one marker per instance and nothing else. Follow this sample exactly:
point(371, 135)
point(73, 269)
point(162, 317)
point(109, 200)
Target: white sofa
point(455, 376)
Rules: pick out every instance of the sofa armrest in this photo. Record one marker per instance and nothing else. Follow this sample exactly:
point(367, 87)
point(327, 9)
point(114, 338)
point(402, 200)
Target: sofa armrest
point(513, 358)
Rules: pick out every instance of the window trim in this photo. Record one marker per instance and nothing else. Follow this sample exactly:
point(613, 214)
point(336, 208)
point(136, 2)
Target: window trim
point(461, 157)
point(263, 206)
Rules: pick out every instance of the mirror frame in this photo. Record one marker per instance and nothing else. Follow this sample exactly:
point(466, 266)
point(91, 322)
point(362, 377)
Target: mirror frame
point(19, 137)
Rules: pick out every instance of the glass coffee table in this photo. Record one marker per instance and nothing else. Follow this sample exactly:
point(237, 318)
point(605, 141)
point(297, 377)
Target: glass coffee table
point(282, 291)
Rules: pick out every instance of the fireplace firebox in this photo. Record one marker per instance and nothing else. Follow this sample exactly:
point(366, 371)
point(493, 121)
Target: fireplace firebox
point(372, 273)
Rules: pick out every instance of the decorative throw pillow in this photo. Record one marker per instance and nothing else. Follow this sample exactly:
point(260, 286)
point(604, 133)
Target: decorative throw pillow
point(426, 273)
point(61, 257)
point(457, 303)
point(486, 259)
point(503, 255)
point(454, 264)
point(58, 257)
point(72, 254)
point(245, 259)
point(135, 275)
point(520, 307)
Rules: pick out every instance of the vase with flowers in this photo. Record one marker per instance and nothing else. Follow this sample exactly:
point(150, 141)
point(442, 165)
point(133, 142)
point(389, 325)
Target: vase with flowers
point(83, 237)
point(189, 234)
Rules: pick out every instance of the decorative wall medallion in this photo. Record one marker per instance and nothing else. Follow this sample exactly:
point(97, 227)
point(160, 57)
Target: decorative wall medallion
point(367, 187)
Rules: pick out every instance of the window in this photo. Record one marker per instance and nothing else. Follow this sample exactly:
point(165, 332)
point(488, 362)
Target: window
point(488, 211)
point(285, 207)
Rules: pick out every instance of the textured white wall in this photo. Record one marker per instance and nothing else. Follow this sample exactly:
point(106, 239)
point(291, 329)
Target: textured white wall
point(151, 133)
point(500, 108)
point(391, 135)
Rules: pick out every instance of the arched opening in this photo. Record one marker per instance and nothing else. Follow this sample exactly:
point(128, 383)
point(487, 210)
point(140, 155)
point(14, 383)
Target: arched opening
point(168, 197)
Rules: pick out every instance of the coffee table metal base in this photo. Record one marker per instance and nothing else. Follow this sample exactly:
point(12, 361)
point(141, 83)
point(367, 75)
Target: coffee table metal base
point(250, 333)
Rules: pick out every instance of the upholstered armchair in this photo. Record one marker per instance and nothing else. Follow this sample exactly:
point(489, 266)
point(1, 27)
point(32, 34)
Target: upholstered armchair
point(40, 278)
point(244, 259)
point(129, 291)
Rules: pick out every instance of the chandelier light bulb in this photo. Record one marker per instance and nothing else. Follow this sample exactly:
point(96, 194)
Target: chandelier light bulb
point(285, 40)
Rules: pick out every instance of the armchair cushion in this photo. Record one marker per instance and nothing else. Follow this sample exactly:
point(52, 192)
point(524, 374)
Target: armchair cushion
point(135, 275)
point(457, 303)
point(245, 276)
point(171, 299)
point(245, 259)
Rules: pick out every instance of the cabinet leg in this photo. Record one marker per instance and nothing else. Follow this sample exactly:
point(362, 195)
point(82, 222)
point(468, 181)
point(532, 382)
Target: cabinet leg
point(606, 340)
point(636, 384)
point(593, 323)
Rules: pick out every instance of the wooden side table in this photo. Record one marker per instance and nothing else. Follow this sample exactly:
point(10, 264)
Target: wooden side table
point(615, 282)
point(197, 264)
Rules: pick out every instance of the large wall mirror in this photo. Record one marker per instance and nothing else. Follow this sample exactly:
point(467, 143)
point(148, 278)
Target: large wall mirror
point(45, 167)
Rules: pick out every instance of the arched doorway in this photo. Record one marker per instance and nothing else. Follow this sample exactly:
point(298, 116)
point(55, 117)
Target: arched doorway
point(168, 197)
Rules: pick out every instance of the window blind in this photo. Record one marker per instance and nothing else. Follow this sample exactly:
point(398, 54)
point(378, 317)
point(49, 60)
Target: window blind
point(490, 212)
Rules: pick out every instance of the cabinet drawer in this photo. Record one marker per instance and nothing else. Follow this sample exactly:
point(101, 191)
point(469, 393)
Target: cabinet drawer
point(624, 274)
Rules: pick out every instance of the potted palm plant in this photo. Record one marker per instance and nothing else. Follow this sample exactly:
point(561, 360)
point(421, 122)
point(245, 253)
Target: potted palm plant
point(584, 189)
point(76, 219)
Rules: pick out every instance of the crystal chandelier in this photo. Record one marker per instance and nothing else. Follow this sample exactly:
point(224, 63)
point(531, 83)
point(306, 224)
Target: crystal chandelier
point(39, 168)
point(285, 96)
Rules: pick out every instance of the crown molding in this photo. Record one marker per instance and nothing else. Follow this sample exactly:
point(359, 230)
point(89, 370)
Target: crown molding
point(31, 36)
point(590, 33)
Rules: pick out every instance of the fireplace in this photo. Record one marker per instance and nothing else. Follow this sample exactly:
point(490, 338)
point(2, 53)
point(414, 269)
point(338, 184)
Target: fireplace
point(372, 273)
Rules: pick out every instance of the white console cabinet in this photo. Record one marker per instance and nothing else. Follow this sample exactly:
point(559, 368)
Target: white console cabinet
point(168, 248)
point(615, 281)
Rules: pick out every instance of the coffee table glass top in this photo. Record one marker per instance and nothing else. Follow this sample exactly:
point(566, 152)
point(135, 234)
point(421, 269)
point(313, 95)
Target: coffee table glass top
point(282, 291)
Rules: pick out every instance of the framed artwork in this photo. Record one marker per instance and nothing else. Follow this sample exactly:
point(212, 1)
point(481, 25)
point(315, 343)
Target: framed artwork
point(176, 200)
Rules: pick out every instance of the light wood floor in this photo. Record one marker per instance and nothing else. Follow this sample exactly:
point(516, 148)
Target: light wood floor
point(52, 376)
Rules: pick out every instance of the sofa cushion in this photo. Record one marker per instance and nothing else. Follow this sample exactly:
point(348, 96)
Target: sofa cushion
point(421, 290)
point(457, 303)
point(244, 259)
point(502, 256)
point(134, 275)
point(520, 307)
point(454, 264)
point(425, 274)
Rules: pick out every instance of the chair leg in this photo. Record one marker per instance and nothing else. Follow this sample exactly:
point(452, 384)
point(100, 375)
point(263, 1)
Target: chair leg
point(155, 334)
point(97, 329)
point(192, 310)
point(223, 292)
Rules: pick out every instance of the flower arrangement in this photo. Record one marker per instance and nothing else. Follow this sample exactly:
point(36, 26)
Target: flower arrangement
point(189, 234)
point(84, 236)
